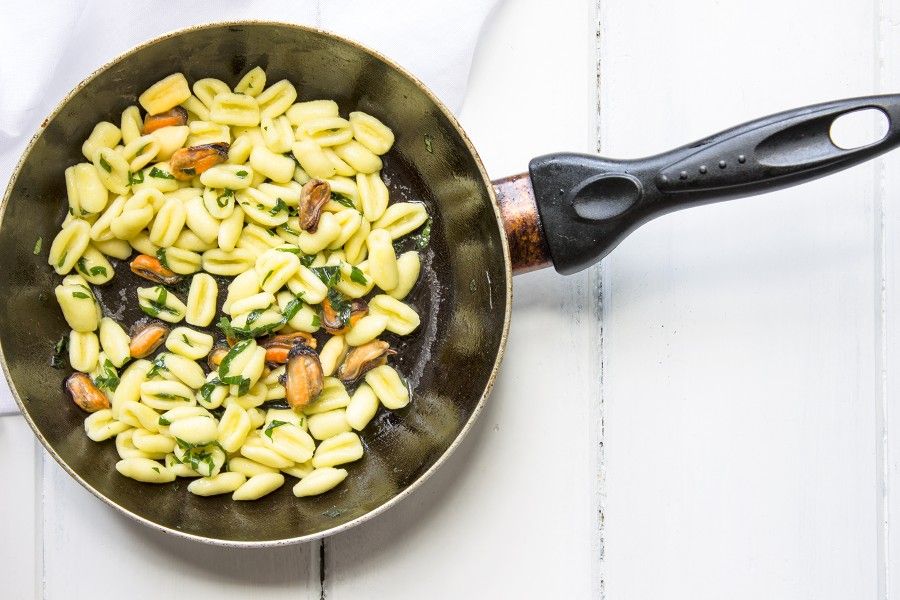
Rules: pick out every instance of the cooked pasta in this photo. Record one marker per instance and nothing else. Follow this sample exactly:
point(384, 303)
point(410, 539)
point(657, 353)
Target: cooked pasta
point(282, 202)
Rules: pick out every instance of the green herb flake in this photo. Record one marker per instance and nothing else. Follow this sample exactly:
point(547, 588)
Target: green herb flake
point(273, 425)
point(428, 146)
point(105, 165)
point(279, 206)
point(135, 178)
point(60, 351)
point(156, 469)
point(330, 275)
point(342, 200)
point(232, 354)
point(316, 321)
point(266, 278)
point(62, 260)
point(357, 276)
point(158, 364)
point(222, 199)
point(108, 378)
point(37, 245)
point(292, 308)
point(242, 173)
point(186, 340)
point(164, 421)
point(81, 295)
point(160, 174)
point(161, 257)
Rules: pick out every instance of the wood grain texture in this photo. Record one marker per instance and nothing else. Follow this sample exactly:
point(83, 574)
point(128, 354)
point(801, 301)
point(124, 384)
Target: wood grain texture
point(514, 513)
point(740, 347)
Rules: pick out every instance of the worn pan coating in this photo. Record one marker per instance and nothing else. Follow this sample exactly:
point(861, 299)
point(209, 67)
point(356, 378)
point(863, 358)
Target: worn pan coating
point(463, 296)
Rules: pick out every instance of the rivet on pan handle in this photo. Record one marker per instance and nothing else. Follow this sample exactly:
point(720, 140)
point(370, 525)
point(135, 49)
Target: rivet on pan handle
point(588, 204)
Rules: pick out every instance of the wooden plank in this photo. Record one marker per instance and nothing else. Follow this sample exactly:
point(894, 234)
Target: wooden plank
point(514, 513)
point(88, 548)
point(20, 500)
point(740, 376)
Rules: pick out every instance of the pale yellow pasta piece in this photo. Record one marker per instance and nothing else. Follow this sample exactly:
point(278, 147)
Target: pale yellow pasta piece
point(137, 212)
point(258, 486)
point(207, 460)
point(358, 156)
point(153, 443)
point(183, 262)
point(355, 248)
point(340, 166)
point(233, 428)
point(243, 286)
point(327, 231)
point(206, 90)
point(230, 229)
point(363, 406)
point(289, 192)
point(277, 167)
point(222, 483)
point(207, 132)
point(349, 221)
point(228, 263)
point(259, 301)
point(116, 248)
point(252, 83)
point(131, 126)
point(201, 304)
point(366, 329)
point(274, 268)
point(68, 245)
point(402, 319)
point(305, 318)
point(169, 139)
point(233, 177)
point(299, 470)
point(262, 209)
point(115, 342)
point(85, 191)
point(312, 109)
point(371, 133)
point(197, 111)
point(388, 386)
point(258, 239)
point(218, 203)
point(287, 415)
point(257, 451)
point(104, 135)
point(187, 342)
point(94, 267)
point(373, 195)
point(276, 99)
point(141, 416)
point(84, 350)
point(313, 159)
point(165, 94)
point(100, 425)
point(289, 441)
point(332, 354)
point(338, 450)
point(239, 151)
point(333, 396)
point(408, 267)
point(319, 482)
point(140, 152)
point(188, 240)
point(326, 131)
point(168, 223)
point(79, 307)
point(129, 388)
point(198, 220)
point(402, 218)
point(382, 259)
point(165, 395)
point(278, 134)
point(328, 424)
point(195, 430)
point(100, 230)
point(301, 176)
point(145, 470)
point(179, 468)
point(158, 302)
point(113, 170)
point(180, 368)
point(234, 109)
point(252, 399)
point(247, 467)
point(306, 282)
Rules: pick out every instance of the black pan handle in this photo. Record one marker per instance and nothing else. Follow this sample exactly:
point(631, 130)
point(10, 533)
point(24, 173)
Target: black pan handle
point(588, 204)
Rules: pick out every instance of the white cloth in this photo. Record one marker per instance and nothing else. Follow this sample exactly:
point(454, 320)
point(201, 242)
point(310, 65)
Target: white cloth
point(47, 47)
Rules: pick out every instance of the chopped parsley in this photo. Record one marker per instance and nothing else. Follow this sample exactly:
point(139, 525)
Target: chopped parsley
point(59, 351)
point(158, 364)
point(292, 308)
point(357, 276)
point(161, 257)
point(288, 229)
point(160, 174)
point(108, 377)
point(279, 206)
point(266, 278)
point(62, 260)
point(81, 266)
point(273, 425)
point(242, 173)
point(222, 199)
point(164, 421)
point(208, 388)
point(422, 238)
point(105, 165)
point(428, 146)
point(341, 306)
point(135, 178)
point(330, 275)
point(186, 340)
point(37, 245)
point(342, 200)
point(81, 295)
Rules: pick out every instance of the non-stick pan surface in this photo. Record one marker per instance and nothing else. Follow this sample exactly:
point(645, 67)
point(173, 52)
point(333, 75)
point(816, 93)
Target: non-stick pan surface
point(463, 296)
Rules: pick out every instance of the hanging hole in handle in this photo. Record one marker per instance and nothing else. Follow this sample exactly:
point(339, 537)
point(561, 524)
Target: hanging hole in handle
point(859, 128)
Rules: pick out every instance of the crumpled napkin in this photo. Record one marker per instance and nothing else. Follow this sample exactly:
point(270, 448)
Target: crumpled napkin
point(48, 47)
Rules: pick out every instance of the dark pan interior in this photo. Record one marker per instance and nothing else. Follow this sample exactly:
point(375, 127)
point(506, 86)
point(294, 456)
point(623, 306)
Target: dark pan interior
point(463, 294)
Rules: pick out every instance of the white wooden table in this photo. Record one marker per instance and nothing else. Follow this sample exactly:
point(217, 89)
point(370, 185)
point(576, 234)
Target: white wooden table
point(711, 413)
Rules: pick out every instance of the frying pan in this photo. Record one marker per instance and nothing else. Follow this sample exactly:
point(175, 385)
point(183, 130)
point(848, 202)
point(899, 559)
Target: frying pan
point(569, 210)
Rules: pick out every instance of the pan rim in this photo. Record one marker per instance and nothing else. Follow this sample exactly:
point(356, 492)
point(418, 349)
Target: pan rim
point(507, 267)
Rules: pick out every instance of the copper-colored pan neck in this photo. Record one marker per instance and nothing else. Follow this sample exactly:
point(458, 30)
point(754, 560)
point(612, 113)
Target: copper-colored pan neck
point(528, 248)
